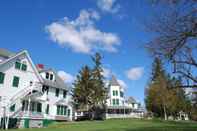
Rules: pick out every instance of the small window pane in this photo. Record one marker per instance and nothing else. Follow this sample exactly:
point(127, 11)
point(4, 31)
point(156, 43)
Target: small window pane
point(51, 77)
point(2, 75)
point(39, 107)
point(68, 112)
point(24, 67)
point(47, 75)
point(17, 65)
point(114, 102)
point(47, 109)
point(12, 108)
point(114, 93)
point(64, 94)
point(15, 82)
point(57, 92)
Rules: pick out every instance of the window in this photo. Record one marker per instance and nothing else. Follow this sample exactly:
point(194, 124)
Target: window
point(2, 75)
point(47, 109)
point(58, 110)
point(15, 81)
point(24, 67)
point(12, 108)
point(20, 66)
point(57, 92)
point(114, 102)
point(64, 94)
point(121, 94)
point(68, 112)
point(32, 106)
point(17, 65)
point(114, 93)
point(51, 76)
point(61, 110)
point(39, 107)
point(45, 89)
point(117, 101)
point(47, 75)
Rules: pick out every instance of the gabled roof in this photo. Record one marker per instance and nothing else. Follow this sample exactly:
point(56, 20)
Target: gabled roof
point(114, 81)
point(5, 53)
point(24, 52)
point(58, 83)
point(131, 100)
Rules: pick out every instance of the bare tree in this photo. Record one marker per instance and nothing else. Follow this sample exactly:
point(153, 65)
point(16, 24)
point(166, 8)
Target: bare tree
point(175, 38)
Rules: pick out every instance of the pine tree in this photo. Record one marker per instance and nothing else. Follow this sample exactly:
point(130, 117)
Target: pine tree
point(156, 98)
point(89, 92)
point(100, 92)
point(82, 89)
point(162, 98)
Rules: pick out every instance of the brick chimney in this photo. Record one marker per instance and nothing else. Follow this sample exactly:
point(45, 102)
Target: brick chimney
point(40, 66)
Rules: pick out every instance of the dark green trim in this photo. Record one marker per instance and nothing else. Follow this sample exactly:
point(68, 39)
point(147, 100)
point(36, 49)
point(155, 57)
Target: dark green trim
point(2, 76)
point(12, 108)
point(15, 82)
point(26, 123)
point(47, 122)
point(17, 65)
point(24, 67)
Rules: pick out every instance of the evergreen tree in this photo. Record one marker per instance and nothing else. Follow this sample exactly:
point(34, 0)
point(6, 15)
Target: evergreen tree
point(162, 98)
point(82, 89)
point(89, 92)
point(156, 94)
point(99, 89)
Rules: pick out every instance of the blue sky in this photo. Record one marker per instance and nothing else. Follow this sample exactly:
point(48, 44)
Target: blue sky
point(63, 34)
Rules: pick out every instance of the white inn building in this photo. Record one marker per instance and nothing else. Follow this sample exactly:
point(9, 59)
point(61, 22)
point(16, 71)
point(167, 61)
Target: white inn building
point(30, 96)
point(120, 107)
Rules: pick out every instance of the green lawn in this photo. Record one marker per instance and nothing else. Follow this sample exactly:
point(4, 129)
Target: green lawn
point(120, 125)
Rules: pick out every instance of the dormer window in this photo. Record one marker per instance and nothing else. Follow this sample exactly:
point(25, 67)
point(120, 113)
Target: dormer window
point(17, 65)
point(47, 75)
point(24, 66)
point(51, 76)
point(20, 66)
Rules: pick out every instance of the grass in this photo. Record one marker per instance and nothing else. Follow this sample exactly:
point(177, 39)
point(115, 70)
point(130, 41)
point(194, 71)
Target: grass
point(120, 125)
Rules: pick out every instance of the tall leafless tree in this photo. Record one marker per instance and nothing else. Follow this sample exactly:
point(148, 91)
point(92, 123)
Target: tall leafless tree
point(175, 37)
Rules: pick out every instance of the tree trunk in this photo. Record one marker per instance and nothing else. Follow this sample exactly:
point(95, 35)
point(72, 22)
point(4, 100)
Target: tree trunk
point(165, 114)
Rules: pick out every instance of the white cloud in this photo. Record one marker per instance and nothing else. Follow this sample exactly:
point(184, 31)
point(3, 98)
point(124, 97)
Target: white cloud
point(135, 73)
point(108, 6)
point(81, 35)
point(66, 77)
point(107, 72)
point(122, 83)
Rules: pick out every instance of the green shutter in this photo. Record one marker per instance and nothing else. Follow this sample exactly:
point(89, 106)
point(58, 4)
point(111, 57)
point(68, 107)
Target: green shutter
point(114, 102)
point(17, 65)
point(65, 108)
point(114, 93)
point(64, 94)
point(2, 75)
point(68, 112)
point(15, 81)
point(58, 110)
point(121, 94)
point(24, 67)
point(47, 109)
point(57, 92)
point(39, 107)
point(117, 101)
point(12, 108)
